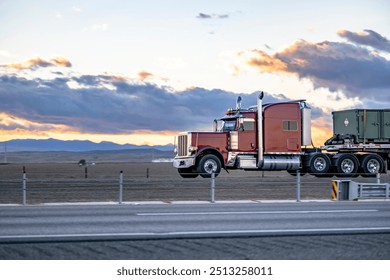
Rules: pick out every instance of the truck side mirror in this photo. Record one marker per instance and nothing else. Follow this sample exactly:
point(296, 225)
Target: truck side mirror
point(215, 126)
point(240, 124)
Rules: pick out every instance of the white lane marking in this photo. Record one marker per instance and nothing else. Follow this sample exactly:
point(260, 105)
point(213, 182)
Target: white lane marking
point(255, 212)
point(192, 233)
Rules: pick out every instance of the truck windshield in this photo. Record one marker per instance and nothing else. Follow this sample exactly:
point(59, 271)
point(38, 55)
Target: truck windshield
point(228, 125)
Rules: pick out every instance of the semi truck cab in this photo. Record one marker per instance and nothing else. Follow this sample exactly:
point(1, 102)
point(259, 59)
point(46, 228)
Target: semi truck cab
point(263, 137)
point(277, 136)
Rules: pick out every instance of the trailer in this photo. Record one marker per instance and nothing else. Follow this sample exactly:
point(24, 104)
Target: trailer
point(277, 136)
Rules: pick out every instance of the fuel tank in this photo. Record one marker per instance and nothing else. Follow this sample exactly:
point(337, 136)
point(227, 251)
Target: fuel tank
point(281, 162)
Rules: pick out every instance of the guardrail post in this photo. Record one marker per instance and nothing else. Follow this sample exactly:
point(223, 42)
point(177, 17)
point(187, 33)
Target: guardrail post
point(378, 178)
point(213, 187)
point(120, 187)
point(298, 186)
point(24, 187)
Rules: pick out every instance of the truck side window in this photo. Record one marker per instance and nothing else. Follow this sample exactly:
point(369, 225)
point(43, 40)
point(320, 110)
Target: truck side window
point(248, 125)
point(290, 125)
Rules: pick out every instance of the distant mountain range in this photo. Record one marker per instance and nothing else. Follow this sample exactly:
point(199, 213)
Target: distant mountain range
point(54, 145)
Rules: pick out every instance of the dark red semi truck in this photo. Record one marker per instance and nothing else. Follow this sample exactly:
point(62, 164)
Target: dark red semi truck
point(277, 136)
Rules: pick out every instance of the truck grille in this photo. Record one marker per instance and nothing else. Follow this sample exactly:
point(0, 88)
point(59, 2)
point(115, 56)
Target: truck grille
point(182, 145)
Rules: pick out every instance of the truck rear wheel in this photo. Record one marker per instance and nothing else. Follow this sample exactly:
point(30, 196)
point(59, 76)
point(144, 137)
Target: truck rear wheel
point(209, 164)
point(319, 164)
point(346, 165)
point(371, 165)
point(187, 173)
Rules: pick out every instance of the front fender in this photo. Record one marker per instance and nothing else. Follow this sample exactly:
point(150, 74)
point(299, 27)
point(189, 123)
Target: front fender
point(210, 150)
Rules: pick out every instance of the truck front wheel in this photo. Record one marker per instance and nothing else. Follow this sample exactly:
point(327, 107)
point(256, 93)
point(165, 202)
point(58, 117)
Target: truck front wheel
point(209, 164)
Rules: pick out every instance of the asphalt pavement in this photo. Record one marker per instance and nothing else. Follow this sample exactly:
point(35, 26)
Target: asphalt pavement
point(108, 222)
point(307, 230)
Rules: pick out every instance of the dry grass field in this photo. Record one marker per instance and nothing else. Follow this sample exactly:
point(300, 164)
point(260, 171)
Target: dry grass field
point(66, 182)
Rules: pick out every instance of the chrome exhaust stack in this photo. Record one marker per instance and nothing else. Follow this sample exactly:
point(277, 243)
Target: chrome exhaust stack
point(260, 146)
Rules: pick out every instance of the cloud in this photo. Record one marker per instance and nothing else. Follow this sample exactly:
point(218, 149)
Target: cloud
point(39, 62)
point(111, 104)
point(143, 75)
point(212, 16)
point(265, 62)
point(60, 61)
point(105, 104)
point(367, 38)
point(338, 66)
point(9, 123)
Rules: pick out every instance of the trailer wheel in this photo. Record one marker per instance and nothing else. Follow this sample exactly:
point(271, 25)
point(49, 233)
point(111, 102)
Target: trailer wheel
point(346, 165)
point(371, 164)
point(187, 173)
point(319, 164)
point(209, 164)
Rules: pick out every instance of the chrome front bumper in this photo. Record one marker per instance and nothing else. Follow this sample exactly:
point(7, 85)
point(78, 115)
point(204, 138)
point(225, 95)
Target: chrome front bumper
point(184, 162)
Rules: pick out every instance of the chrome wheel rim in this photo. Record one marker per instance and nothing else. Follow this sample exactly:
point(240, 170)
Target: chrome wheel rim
point(319, 164)
point(373, 166)
point(347, 166)
point(210, 166)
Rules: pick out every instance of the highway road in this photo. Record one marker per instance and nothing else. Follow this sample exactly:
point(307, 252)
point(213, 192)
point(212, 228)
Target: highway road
point(171, 223)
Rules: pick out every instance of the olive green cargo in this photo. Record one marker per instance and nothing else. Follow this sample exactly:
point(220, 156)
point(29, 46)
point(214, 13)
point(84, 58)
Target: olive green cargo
point(365, 125)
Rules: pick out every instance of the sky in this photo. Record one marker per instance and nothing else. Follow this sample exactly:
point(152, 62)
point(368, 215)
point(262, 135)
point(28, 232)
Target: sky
point(140, 72)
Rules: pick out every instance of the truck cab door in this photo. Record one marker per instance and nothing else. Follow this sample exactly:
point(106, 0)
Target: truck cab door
point(247, 135)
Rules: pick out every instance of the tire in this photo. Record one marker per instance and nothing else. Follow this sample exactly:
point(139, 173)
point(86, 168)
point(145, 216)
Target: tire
point(187, 173)
point(371, 164)
point(346, 165)
point(209, 164)
point(319, 164)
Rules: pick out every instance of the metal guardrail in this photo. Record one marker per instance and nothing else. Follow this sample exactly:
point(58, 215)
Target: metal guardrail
point(47, 183)
point(369, 190)
point(350, 190)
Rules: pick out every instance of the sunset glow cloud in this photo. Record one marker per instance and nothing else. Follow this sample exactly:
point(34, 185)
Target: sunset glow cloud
point(337, 66)
point(143, 75)
point(265, 62)
point(39, 62)
point(12, 127)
